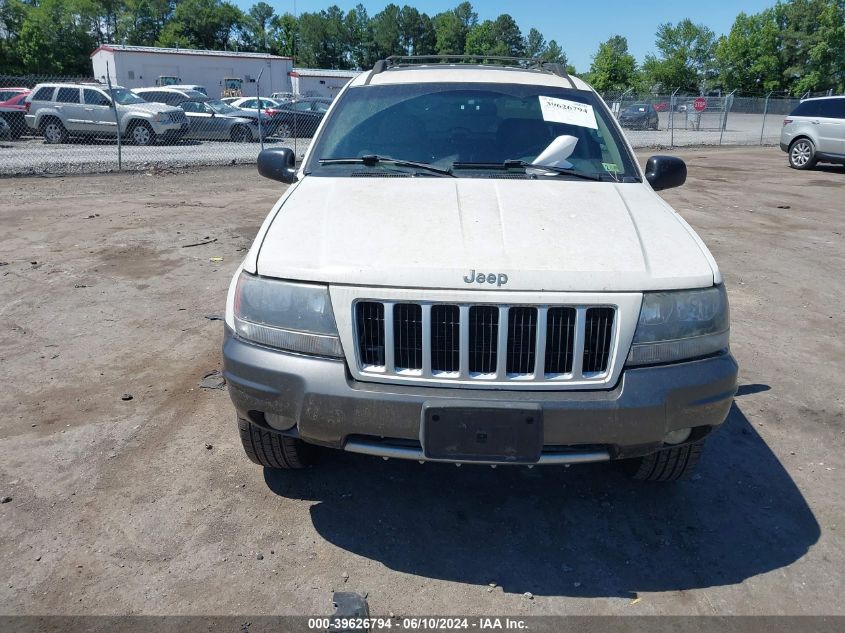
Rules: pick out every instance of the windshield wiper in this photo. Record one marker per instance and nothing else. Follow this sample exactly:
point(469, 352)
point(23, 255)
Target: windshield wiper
point(370, 160)
point(514, 164)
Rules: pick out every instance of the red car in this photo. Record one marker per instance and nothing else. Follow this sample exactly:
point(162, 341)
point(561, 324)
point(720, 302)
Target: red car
point(13, 109)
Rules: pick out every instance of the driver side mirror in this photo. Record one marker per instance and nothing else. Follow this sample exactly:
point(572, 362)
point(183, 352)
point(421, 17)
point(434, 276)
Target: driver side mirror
point(665, 172)
point(278, 163)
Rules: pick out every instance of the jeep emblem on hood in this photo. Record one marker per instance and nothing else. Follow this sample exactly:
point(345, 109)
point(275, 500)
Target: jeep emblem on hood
point(500, 279)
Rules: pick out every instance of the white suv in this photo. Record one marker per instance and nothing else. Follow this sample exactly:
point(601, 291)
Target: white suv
point(469, 266)
point(59, 111)
point(815, 132)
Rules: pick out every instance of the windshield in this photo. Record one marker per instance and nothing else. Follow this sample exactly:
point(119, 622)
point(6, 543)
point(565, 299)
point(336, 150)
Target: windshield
point(123, 96)
point(472, 128)
point(222, 108)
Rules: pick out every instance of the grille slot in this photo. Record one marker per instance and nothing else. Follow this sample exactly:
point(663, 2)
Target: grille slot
point(370, 317)
point(462, 344)
point(597, 338)
point(445, 338)
point(560, 340)
point(407, 336)
point(483, 339)
point(522, 340)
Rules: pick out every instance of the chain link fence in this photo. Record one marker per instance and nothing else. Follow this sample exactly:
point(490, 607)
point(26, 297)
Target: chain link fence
point(76, 125)
point(65, 125)
point(676, 119)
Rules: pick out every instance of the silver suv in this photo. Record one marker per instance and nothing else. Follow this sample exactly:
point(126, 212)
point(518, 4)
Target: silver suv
point(815, 132)
point(59, 111)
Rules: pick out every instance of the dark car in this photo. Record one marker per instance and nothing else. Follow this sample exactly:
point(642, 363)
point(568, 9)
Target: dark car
point(13, 110)
point(301, 118)
point(211, 119)
point(641, 116)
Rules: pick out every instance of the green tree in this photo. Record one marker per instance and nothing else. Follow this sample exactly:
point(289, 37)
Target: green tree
point(535, 44)
point(416, 33)
point(257, 28)
point(55, 38)
point(322, 39)
point(142, 21)
point(554, 53)
point(451, 29)
point(386, 32)
point(206, 24)
point(812, 44)
point(748, 57)
point(613, 67)
point(686, 57)
point(499, 37)
point(359, 33)
point(284, 35)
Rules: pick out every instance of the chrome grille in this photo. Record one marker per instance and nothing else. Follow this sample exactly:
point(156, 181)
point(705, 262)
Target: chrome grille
point(483, 339)
point(560, 340)
point(407, 336)
point(370, 317)
point(596, 339)
point(522, 340)
point(484, 342)
point(445, 337)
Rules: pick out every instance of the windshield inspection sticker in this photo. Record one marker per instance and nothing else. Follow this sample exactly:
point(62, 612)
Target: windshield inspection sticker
point(565, 111)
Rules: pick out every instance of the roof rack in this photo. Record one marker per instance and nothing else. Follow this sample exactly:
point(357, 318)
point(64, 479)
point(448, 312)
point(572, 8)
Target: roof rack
point(527, 63)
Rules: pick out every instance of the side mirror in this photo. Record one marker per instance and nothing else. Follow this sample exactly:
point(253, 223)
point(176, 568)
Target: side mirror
point(277, 163)
point(665, 172)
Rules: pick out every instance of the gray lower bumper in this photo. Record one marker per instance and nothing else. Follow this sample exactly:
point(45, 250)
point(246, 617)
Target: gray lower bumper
point(324, 405)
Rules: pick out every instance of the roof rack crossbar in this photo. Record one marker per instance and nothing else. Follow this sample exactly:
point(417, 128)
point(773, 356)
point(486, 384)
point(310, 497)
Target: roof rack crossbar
point(399, 60)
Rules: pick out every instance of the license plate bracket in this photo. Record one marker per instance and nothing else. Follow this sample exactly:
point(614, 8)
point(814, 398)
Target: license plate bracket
point(507, 435)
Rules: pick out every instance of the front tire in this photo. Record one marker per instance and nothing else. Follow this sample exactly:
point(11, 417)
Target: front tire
point(54, 132)
point(142, 134)
point(273, 450)
point(240, 134)
point(667, 464)
point(802, 154)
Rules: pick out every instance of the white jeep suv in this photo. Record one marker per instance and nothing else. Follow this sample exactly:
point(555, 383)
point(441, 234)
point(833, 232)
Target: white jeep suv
point(469, 266)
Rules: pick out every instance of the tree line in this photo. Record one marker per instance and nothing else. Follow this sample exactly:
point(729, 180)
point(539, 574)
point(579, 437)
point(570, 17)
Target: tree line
point(792, 47)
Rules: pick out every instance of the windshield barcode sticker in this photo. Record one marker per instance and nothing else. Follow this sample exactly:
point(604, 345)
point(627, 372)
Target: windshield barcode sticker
point(565, 111)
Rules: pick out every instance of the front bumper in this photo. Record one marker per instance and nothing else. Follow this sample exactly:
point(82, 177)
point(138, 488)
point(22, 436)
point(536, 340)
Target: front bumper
point(318, 401)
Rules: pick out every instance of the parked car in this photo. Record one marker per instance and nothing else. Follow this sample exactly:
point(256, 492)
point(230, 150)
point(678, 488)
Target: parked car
point(9, 93)
point(815, 132)
point(270, 107)
point(641, 116)
point(211, 119)
point(194, 87)
point(283, 97)
point(13, 111)
point(473, 268)
point(301, 118)
point(5, 131)
point(59, 111)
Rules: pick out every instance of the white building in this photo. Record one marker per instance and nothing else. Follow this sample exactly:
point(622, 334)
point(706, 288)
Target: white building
point(316, 82)
point(142, 66)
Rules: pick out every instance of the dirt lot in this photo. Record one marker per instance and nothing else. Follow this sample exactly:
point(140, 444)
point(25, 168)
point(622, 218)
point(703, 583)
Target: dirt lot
point(149, 505)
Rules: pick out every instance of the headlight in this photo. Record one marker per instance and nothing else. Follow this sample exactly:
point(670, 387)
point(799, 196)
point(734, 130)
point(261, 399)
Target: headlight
point(289, 316)
point(679, 325)
point(162, 117)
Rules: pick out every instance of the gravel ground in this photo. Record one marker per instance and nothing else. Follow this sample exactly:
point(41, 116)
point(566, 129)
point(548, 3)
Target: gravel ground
point(32, 156)
point(128, 490)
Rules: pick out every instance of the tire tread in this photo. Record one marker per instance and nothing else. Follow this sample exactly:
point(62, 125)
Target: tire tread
point(669, 464)
point(271, 449)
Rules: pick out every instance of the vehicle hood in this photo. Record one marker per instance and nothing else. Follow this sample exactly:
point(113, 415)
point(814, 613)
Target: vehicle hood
point(545, 234)
point(153, 108)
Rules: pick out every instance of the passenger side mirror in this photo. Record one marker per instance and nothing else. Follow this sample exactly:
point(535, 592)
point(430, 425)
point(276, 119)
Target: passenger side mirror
point(665, 172)
point(277, 163)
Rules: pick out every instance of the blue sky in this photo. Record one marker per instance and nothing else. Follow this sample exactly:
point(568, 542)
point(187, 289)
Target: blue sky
point(578, 27)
